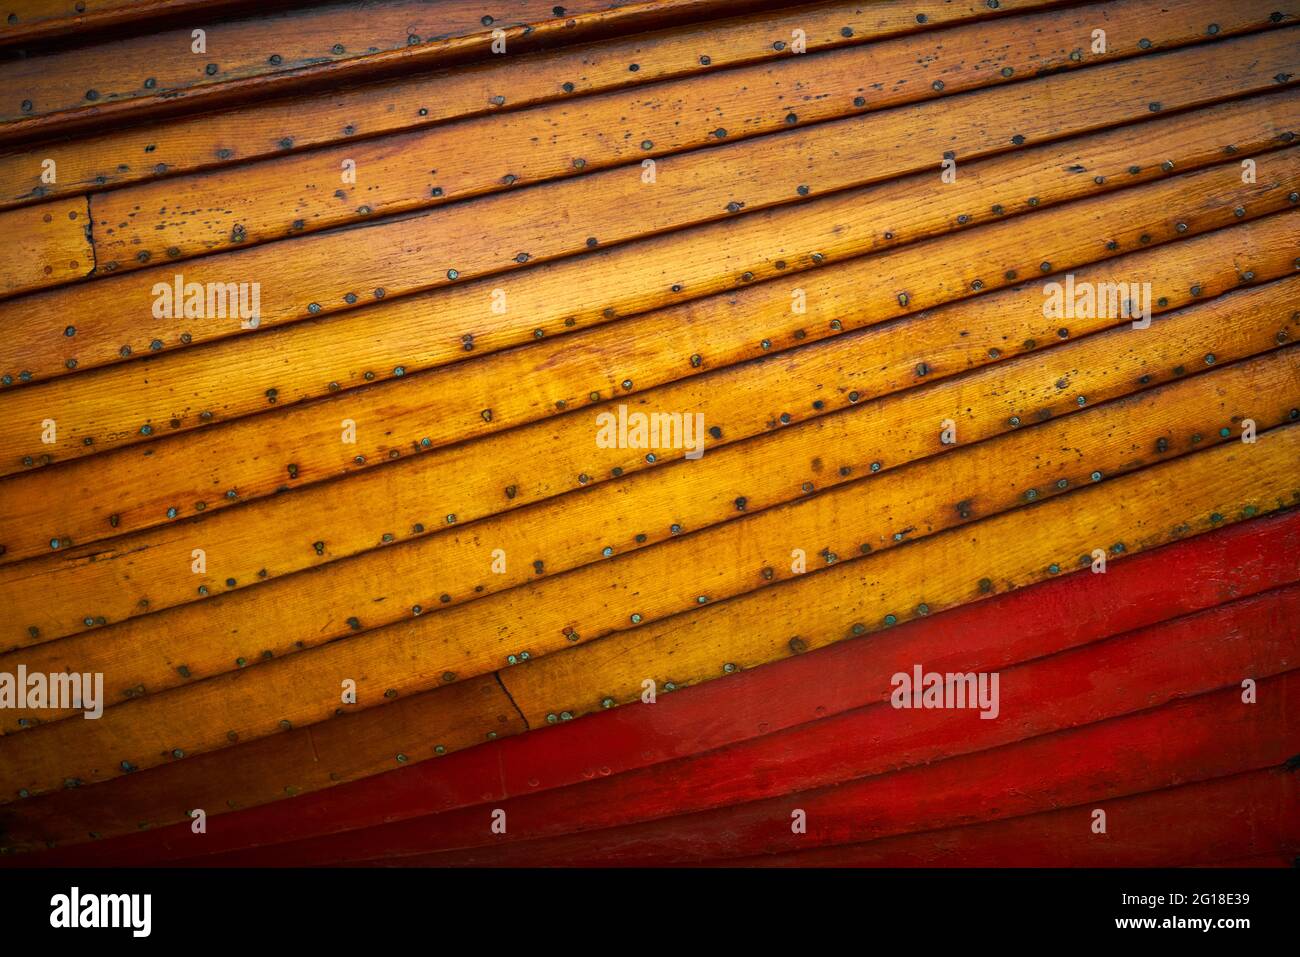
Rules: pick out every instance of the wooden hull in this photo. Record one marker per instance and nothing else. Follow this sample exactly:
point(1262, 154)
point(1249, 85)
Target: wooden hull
point(395, 572)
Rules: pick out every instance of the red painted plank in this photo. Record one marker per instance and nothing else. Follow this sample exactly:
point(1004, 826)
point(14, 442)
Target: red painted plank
point(1248, 820)
point(1194, 655)
point(1209, 736)
point(1258, 636)
point(1068, 612)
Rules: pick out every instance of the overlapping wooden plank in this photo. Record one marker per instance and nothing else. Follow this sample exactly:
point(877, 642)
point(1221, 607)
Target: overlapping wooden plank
point(152, 656)
point(929, 576)
point(1258, 637)
point(52, 596)
point(27, 20)
point(1239, 560)
point(244, 57)
point(186, 145)
point(390, 258)
point(110, 409)
point(1201, 739)
point(813, 374)
point(180, 218)
point(1246, 814)
point(646, 585)
point(255, 457)
point(355, 745)
point(46, 245)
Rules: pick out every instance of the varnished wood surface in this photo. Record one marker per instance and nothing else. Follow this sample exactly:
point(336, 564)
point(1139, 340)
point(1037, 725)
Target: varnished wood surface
point(121, 78)
point(263, 129)
point(645, 213)
point(1242, 559)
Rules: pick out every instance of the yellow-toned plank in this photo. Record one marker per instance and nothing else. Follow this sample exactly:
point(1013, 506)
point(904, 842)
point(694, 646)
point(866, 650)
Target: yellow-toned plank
point(590, 602)
point(253, 54)
point(45, 245)
point(1187, 496)
point(189, 389)
point(78, 588)
point(222, 210)
point(391, 258)
point(273, 128)
point(253, 457)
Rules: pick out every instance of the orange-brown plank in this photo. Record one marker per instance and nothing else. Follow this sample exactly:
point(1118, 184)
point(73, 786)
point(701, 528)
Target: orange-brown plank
point(211, 469)
point(46, 245)
point(50, 597)
point(106, 410)
point(27, 20)
point(393, 257)
point(259, 130)
point(304, 759)
point(67, 89)
point(180, 218)
point(480, 636)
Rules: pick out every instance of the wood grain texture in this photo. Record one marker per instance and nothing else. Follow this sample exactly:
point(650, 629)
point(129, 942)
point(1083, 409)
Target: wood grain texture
point(47, 596)
point(212, 212)
point(257, 456)
point(22, 21)
point(898, 429)
point(391, 258)
point(873, 515)
point(46, 245)
point(66, 89)
point(260, 130)
point(481, 636)
point(936, 573)
point(1066, 612)
point(1111, 760)
point(1259, 637)
point(191, 389)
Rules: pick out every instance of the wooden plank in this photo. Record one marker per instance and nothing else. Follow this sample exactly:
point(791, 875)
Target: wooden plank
point(46, 245)
point(108, 410)
point(151, 655)
point(1188, 576)
point(27, 20)
point(393, 258)
point(297, 761)
point(478, 637)
point(1183, 659)
point(746, 406)
point(53, 92)
point(1207, 737)
point(191, 216)
point(50, 597)
point(260, 130)
point(257, 456)
point(1246, 814)
point(925, 577)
